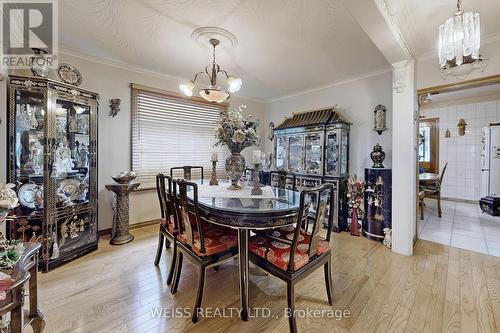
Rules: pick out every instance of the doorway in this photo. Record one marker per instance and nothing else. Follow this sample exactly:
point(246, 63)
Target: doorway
point(454, 121)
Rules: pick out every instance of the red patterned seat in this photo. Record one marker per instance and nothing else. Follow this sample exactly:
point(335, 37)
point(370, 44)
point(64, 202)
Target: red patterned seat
point(278, 253)
point(217, 239)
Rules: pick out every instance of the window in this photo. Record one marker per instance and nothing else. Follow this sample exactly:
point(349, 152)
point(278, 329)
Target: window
point(170, 131)
point(428, 144)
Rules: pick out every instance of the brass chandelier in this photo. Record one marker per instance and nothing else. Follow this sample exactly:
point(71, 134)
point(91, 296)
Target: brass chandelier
point(213, 93)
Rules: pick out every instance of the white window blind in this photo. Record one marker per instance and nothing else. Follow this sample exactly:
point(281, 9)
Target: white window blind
point(169, 131)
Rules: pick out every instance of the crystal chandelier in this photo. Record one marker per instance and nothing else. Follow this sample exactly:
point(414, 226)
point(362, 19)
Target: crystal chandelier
point(213, 93)
point(459, 39)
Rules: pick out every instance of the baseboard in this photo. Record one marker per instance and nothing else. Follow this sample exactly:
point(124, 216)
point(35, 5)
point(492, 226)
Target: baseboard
point(461, 200)
point(105, 232)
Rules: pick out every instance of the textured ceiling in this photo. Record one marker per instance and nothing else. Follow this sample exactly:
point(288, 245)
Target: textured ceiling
point(419, 20)
point(284, 46)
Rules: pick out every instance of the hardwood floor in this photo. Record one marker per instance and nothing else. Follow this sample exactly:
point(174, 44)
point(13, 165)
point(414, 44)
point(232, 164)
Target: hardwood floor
point(439, 289)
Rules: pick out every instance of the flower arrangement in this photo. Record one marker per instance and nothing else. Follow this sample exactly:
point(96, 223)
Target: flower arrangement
point(235, 131)
point(355, 192)
point(8, 199)
point(355, 195)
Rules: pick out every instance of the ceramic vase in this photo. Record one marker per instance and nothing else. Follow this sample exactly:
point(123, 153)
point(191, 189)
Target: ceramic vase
point(235, 165)
point(354, 222)
point(378, 156)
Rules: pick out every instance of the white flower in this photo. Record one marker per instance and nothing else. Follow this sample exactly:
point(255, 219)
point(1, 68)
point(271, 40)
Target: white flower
point(239, 136)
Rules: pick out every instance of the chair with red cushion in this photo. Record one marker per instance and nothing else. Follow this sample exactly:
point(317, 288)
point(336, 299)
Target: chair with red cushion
point(203, 243)
point(291, 253)
point(168, 229)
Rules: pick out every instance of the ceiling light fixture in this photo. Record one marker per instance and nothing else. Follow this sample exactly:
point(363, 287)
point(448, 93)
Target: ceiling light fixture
point(459, 40)
point(213, 93)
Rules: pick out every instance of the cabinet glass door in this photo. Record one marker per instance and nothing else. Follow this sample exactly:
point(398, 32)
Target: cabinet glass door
point(28, 149)
point(70, 168)
point(332, 153)
point(344, 153)
point(313, 153)
point(280, 152)
point(295, 153)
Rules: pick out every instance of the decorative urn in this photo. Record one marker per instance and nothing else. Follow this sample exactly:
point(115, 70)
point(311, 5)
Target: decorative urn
point(235, 166)
point(378, 156)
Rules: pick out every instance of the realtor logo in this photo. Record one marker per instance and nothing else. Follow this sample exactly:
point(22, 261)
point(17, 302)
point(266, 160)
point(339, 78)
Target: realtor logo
point(28, 25)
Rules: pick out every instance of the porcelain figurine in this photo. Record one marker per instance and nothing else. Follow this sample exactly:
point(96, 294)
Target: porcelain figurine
point(388, 237)
point(83, 156)
point(62, 159)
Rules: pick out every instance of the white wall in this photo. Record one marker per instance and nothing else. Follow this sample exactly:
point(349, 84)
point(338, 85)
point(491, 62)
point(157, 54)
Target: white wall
point(113, 81)
point(429, 73)
point(463, 153)
point(356, 100)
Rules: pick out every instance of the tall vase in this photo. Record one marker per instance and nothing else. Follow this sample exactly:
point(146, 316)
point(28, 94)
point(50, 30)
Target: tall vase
point(235, 165)
point(354, 222)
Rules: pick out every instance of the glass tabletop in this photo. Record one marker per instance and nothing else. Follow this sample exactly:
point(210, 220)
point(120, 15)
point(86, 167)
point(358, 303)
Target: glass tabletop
point(284, 201)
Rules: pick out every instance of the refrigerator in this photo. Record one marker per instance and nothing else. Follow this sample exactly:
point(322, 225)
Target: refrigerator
point(495, 160)
point(490, 161)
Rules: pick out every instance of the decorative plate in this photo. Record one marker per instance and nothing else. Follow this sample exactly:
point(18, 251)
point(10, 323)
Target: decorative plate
point(69, 74)
point(27, 194)
point(69, 186)
point(39, 68)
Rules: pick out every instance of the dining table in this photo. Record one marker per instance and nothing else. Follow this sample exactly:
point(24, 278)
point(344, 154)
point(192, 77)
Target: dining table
point(239, 209)
point(428, 176)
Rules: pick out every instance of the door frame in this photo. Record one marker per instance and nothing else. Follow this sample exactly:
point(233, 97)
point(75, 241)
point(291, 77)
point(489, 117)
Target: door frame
point(433, 165)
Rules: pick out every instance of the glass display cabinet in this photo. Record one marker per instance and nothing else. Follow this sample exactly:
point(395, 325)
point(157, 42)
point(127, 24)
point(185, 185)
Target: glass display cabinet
point(313, 153)
point(280, 152)
point(315, 147)
point(337, 143)
point(295, 153)
point(52, 158)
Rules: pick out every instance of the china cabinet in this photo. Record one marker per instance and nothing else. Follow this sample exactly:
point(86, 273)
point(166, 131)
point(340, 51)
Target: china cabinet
point(52, 158)
point(315, 147)
point(377, 203)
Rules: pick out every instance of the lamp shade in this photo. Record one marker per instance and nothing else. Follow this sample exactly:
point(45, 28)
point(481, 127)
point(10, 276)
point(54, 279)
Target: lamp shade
point(214, 95)
point(187, 88)
point(234, 83)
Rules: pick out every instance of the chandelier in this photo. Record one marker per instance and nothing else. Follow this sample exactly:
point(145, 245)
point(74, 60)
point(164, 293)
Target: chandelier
point(459, 39)
point(213, 93)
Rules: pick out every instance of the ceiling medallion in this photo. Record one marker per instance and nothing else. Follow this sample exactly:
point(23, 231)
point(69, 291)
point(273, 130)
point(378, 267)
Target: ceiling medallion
point(213, 93)
point(203, 35)
point(459, 42)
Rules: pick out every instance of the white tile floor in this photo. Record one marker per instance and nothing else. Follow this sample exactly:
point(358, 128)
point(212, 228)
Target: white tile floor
point(461, 225)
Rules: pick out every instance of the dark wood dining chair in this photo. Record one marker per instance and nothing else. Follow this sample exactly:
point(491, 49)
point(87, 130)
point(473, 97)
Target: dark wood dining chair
point(168, 229)
point(279, 177)
point(433, 191)
point(187, 171)
point(421, 203)
point(203, 243)
point(291, 253)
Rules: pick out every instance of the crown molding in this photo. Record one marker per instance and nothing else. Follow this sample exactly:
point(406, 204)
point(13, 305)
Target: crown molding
point(175, 79)
point(331, 85)
point(133, 68)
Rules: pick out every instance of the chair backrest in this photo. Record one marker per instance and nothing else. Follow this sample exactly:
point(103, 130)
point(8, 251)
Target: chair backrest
point(282, 176)
point(316, 205)
point(164, 192)
point(442, 174)
point(187, 171)
point(187, 209)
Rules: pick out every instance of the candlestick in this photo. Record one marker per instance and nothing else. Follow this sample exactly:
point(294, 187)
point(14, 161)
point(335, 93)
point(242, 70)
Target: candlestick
point(257, 157)
point(214, 157)
point(213, 179)
point(256, 190)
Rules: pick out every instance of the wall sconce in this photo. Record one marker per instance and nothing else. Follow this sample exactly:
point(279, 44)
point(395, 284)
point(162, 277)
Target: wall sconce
point(270, 135)
point(114, 106)
point(447, 134)
point(379, 121)
point(461, 127)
